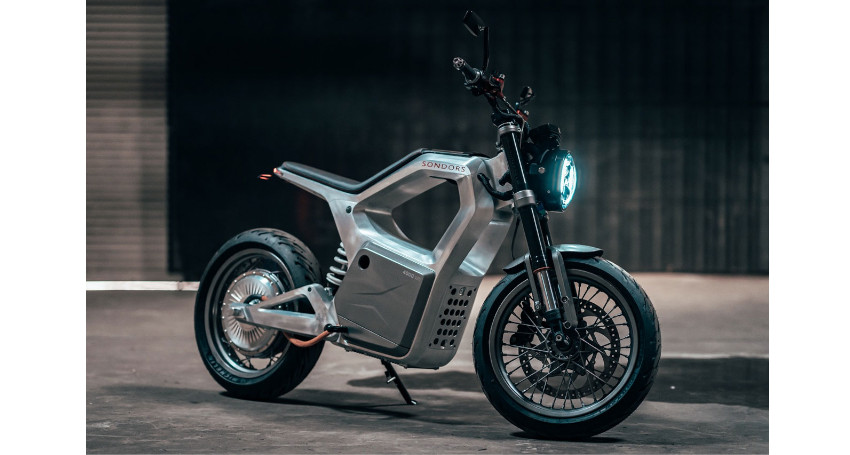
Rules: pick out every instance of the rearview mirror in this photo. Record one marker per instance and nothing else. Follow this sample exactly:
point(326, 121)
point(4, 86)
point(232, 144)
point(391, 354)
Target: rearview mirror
point(476, 26)
point(526, 95)
point(473, 23)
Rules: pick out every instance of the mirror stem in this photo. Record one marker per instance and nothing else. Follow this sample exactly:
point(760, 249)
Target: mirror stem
point(486, 49)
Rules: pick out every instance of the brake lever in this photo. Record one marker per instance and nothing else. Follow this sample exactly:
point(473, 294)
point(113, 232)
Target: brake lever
point(473, 88)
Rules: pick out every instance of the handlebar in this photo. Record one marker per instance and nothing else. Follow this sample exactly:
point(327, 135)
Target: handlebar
point(491, 86)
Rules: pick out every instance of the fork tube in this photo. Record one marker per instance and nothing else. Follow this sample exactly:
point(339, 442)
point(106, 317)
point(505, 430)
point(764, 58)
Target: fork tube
point(525, 201)
point(526, 206)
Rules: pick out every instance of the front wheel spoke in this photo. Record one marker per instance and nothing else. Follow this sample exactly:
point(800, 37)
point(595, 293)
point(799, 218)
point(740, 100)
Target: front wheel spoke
point(586, 290)
point(528, 376)
point(517, 368)
point(591, 297)
point(611, 343)
point(525, 348)
point(590, 372)
point(600, 323)
point(590, 382)
point(521, 364)
point(560, 384)
point(608, 313)
point(532, 348)
point(573, 376)
point(533, 324)
point(516, 357)
point(512, 361)
point(605, 305)
point(592, 345)
point(578, 389)
point(530, 316)
point(542, 378)
point(525, 325)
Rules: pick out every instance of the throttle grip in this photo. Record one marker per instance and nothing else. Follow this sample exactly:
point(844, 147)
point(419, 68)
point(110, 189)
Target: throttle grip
point(469, 73)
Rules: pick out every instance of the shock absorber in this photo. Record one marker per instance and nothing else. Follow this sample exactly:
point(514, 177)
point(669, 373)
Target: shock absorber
point(337, 272)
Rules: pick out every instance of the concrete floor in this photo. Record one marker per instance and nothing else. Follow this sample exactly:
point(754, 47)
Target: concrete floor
point(148, 392)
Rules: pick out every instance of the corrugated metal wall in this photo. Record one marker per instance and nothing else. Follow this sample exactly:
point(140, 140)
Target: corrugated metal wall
point(126, 159)
point(667, 108)
point(663, 102)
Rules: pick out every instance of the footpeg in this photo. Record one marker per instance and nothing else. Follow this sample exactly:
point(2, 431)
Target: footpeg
point(392, 376)
point(330, 328)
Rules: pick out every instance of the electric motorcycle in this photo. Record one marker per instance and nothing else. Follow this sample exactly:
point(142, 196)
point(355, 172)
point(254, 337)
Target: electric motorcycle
point(565, 346)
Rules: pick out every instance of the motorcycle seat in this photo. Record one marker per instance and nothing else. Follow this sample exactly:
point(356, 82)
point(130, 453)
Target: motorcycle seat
point(348, 185)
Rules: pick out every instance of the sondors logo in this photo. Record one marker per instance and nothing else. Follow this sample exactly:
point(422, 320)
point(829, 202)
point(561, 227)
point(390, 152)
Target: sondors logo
point(444, 166)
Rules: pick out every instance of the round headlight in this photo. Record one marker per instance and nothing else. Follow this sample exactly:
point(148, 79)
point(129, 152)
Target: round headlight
point(554, 179)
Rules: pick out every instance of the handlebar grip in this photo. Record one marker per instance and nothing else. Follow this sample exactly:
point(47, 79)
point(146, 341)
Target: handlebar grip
point(469, 73)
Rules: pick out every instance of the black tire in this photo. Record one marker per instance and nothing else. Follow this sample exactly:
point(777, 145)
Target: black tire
point(607, 369)
point(248, 361)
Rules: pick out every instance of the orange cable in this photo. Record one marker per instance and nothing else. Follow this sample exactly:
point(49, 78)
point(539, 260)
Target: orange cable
point(308, 343)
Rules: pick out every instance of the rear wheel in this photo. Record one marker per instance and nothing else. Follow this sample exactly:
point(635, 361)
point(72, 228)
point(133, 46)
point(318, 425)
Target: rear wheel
point(577, 392)
point(250, 361)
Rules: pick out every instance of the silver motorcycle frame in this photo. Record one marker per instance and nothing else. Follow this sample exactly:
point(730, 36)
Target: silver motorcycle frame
point(400, 301)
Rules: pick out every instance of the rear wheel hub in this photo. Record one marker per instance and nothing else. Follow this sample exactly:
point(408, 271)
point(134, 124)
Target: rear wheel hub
point(250, 288)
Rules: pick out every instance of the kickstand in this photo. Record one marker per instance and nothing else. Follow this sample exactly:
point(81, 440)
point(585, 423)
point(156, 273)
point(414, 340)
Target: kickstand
point(392, 376)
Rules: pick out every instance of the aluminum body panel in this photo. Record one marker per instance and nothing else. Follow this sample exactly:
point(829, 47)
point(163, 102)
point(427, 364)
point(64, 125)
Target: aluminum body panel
point(385, 297)
point(460, 258)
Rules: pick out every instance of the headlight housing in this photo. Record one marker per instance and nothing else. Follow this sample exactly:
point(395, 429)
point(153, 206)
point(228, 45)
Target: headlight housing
point(554, 179)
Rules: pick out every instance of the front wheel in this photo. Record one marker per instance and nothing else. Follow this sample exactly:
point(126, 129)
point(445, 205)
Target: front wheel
point(577, 392)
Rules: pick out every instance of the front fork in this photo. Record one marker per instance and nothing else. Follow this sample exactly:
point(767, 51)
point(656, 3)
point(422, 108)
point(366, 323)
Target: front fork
point(553, 302)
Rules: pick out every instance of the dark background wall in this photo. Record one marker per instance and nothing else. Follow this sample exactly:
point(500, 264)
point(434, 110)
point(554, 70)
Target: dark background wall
point(663, 103)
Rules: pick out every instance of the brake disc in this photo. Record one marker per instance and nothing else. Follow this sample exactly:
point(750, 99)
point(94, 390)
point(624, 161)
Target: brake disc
point(599, 349)
point(579, 375)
